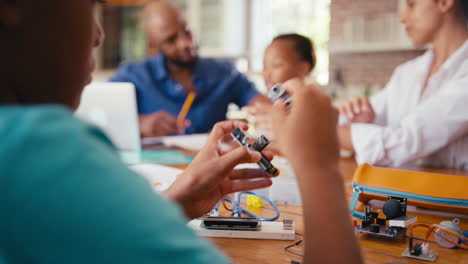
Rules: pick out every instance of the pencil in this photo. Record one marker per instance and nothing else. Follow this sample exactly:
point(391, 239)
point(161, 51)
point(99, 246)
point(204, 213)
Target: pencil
point(184, 111)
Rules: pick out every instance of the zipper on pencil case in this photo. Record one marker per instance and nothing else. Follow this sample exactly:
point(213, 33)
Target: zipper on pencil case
point(358, 188)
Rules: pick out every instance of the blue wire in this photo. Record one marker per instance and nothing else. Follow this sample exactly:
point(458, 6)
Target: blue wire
point(237, 210)
point(264, 198)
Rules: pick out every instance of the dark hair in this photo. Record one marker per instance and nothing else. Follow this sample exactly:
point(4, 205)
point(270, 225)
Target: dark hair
point(303, 46)
point(464, 7)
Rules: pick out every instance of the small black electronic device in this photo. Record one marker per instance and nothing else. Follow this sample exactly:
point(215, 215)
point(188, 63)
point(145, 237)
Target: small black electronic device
point(395, 207)
point(231, 223)
point(372, 224)
point(419, 251)
point(258, 146)
point(395, 212)
point(277, 92)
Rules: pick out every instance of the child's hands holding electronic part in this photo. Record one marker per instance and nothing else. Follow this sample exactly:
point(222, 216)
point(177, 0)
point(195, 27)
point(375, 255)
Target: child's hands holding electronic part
point(211, 175)
point(305, 125)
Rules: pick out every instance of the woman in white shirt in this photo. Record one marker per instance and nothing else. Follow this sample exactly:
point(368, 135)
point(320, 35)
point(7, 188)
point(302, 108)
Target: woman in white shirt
point(421, 117)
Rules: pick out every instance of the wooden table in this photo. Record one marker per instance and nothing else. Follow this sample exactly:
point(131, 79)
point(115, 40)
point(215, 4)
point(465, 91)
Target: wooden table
point(248, 251)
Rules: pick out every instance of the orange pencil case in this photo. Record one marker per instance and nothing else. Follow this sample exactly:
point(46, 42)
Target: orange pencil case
point(428, 190)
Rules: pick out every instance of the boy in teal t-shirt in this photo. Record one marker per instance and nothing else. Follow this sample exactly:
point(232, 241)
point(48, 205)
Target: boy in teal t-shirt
point(67, 198)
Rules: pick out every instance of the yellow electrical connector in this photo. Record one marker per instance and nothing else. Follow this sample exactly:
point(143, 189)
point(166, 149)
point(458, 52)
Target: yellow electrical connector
point(254, 201)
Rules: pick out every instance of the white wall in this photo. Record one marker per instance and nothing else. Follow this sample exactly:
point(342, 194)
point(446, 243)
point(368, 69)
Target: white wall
point(235, 27)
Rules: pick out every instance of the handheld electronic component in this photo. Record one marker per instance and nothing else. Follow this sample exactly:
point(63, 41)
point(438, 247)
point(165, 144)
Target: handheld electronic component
point(258, 146)
point(277, 92)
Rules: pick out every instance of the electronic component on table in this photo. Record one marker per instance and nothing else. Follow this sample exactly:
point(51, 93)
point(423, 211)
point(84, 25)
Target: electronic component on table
point(419, 251)
point(231, 223)
point(243, 227)
point(395, 212)
point(288, 224)
point(448, 234)
point(277, 92)
point(258, 146)
point(395, 207)
point(254, 201)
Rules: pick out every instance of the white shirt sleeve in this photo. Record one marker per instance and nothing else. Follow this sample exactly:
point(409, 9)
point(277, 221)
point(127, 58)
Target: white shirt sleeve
point(437, 121)
point(379, 104)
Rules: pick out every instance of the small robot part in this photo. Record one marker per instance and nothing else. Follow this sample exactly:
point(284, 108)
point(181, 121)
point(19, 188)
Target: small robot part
point(258, 146)
point(445, 239)
point(277, 92)
point(395, 207)
point(231, 223)
point(395, 212)
point(419, 251)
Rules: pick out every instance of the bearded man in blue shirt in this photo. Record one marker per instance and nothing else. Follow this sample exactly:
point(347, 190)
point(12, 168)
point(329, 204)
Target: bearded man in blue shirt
point(173, 70)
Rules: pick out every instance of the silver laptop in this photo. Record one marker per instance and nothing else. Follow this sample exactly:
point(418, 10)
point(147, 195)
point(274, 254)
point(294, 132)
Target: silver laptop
point(113, 108)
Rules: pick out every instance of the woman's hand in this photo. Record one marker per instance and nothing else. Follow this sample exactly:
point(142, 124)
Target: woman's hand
point(211, 175)
point(358, 110)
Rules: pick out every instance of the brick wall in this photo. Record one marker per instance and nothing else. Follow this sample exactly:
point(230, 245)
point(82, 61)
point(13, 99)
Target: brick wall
point(364, 68)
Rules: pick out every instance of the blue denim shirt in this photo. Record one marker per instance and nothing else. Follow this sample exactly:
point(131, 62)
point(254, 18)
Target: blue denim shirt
point(217, 83)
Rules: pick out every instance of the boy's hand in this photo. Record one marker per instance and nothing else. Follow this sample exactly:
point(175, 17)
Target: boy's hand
point(358, 110)
point(306, 134)
point(211, 175)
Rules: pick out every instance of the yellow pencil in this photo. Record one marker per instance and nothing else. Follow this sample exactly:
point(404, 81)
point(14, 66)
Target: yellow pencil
point(184, 111)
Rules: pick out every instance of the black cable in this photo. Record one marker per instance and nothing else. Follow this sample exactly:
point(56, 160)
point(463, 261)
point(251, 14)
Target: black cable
point(287, 249)
point(295, 244)
point(420, 239)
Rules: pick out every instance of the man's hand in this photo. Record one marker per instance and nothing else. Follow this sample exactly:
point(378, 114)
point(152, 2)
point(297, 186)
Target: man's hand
point(211, 175)
point(158, 124)
point(358, 110)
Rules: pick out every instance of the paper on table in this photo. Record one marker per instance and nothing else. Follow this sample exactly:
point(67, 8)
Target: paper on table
point(160, 177)
point(193, 142)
